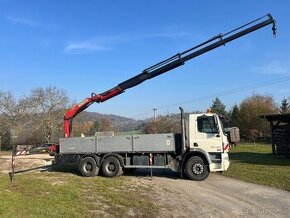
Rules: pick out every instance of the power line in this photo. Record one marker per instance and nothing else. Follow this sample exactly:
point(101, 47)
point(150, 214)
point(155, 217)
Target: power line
point(223, 93)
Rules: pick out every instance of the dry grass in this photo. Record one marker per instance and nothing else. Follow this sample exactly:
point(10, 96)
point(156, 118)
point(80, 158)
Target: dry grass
point(62, 194)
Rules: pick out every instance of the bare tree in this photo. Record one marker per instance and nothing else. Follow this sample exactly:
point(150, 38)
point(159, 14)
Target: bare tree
point(12, 110)
point(105, 125)
point(163, 125)
point(47, 107)
point(12, 113)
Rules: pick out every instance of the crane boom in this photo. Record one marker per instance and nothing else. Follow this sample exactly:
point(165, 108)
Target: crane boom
point(167, 65)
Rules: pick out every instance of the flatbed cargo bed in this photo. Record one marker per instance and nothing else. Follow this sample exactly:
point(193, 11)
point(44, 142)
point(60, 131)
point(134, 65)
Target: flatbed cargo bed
point(143, 143)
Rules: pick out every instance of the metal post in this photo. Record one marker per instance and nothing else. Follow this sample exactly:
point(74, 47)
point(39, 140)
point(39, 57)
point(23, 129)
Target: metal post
point(154, 114)
point(11, 174)
point(150, 163)
point(14, 148)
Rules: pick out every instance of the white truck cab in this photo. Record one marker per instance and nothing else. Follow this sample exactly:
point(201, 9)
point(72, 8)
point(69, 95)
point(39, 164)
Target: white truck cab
point(205, 134)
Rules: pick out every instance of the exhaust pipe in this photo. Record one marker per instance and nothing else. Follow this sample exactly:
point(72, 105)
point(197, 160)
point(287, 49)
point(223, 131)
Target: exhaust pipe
point(182, 130)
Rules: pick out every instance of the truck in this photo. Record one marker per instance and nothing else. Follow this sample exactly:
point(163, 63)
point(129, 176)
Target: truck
point(201, 147)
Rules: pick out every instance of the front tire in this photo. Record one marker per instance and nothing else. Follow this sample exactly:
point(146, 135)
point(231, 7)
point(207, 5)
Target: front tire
point(88, 167)
point(111, 167)
point(196, 169)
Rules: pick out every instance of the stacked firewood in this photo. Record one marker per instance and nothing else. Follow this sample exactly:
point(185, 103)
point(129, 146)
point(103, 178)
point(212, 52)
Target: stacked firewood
point(281, 139)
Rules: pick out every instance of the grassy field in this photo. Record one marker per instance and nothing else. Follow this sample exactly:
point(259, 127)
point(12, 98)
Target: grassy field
point(58, 194)
point(256, 163)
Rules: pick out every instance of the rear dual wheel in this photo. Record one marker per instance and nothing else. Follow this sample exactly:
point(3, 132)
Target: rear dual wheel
point(111, 167)
point(88, 167)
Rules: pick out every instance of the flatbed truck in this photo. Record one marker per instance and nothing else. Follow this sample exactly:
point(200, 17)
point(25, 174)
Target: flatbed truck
point(201, 147)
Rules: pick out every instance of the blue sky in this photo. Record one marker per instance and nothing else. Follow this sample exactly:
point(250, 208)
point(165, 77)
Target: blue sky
point(91, 46)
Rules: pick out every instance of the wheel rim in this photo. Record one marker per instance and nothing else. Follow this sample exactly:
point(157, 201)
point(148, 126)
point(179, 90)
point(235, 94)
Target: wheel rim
point(88, 167)
point(111, 167)
point(197, 168)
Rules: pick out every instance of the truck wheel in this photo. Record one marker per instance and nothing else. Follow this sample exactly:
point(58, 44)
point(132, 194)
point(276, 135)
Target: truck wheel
point(196, 169)
point(88, 167)
point(111, 167)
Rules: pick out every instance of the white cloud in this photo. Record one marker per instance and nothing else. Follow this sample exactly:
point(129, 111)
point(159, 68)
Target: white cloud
point(22, 21)
point(108, 42)
point(83, 47)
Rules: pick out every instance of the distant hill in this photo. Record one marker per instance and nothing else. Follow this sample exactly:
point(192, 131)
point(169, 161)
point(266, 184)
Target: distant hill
point(121, 123)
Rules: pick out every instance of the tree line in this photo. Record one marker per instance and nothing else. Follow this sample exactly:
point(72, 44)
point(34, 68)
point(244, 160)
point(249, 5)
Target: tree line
point(33, 118)
point(37, 117)
point(247, 115)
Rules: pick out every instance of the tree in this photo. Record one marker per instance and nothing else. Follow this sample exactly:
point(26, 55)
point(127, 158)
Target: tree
point(5, 140)
point(12, 113)
point(162, 125)
point(47, 106)
point(235, 116)
point(251, 125)
point(105, 125)
point(36, 118)
point(11, 109)
point(218, 107)
point(285, 106)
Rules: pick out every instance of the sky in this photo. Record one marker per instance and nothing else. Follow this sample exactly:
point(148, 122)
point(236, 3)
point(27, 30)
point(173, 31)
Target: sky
point(91, 46)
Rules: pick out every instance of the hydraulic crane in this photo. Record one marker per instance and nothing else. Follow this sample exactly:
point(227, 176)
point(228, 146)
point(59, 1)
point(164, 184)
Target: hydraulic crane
point(167, 65)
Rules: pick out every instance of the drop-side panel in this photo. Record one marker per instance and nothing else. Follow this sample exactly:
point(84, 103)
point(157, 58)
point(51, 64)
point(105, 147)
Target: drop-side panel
point(77, 145)
point(114, 144)
point(154, 143)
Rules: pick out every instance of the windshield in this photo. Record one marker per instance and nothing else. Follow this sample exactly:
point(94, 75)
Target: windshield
point(206, 124)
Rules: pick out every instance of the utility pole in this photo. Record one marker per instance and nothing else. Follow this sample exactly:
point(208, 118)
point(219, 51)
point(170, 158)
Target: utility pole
point(154, 112)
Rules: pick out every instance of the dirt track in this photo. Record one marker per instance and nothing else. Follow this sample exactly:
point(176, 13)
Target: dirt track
point(24, 162)
point(218, 196)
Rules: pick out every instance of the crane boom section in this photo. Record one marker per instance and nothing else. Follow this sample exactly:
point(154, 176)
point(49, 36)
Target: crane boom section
point(167, 65)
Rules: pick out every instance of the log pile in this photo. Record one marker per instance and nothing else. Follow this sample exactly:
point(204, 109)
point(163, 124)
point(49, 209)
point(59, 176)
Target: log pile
point(281, 139)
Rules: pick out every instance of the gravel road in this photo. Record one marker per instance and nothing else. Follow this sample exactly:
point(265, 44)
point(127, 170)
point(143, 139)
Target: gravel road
point(218, 196)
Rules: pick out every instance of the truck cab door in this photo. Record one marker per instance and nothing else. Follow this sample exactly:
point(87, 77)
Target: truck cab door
point(207, 134)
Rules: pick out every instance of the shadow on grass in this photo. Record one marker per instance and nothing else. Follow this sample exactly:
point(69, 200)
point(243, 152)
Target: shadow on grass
point(65, 168)
point(260, 158)
point(42, 169)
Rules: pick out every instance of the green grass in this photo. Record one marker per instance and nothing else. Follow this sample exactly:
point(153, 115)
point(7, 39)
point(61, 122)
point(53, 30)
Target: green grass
point(60, 194)
point(255, 163)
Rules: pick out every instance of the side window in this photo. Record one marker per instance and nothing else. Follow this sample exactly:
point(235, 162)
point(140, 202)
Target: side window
point(206, 124)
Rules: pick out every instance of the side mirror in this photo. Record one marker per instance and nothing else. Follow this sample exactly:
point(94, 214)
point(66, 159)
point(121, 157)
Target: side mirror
point(216, 122)
point(217, 125)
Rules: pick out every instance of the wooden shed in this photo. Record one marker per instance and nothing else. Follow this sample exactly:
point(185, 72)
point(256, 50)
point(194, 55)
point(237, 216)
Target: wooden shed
point(280, 128)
